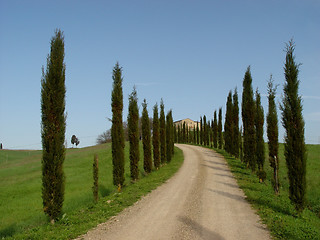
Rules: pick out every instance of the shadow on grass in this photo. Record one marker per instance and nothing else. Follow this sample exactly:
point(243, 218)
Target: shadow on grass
point(8, 231)
point(104, 191)
point(201, 231)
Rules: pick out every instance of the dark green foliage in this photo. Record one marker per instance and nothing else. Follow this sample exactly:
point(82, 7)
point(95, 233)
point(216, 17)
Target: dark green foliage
point(146, 139)
point(201, 131)
point(241, 144)
point(163, 151)
point(235, 119)
point(133, 134)
point(248, 119)
point(198, 141)
point(228, 125)
point(169, 136)
point(117, 134)
point(156, 138)
point(260, 152)
point(293, 123)
point(205, 130)
point(215, 130)
point(95, 188)
point(172, 132)
point(220, 141)
point(53, 127)
point(179, 134)
point(272, 132)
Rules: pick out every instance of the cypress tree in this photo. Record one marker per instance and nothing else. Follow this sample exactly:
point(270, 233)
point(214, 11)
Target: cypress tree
point(172, 132)
point(95, 188)
point(133, 133)
point(220, 129)
point(197, 133)
point(201, 131)
point(156, 137)
point(272, 132)
point(179, 134)
point(53, 127)
point(260, 152)
point(215, 130)
point(117, 134)
point(293, 123)
point(168, 137)
point(241, 144)
point(204, 130)
point(228, 125)
point(211, 134)
point(248, 118)
point(235, 119)
point(146, 138)
point(162, 120)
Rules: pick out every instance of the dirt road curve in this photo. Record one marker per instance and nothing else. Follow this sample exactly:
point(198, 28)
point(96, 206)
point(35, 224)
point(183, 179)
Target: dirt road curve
point(202, 201)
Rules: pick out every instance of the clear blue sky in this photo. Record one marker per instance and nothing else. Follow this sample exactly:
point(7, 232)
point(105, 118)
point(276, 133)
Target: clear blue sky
point(190, 53)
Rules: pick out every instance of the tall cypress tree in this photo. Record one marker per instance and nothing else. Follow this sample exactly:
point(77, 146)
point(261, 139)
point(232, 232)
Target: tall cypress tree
point(248, 119)
point(228, 125)
point(172, 132)
point(215, 130)
point(220, 140)
point(146, 138)
point(53, 127)
point(293, 123)
point(201, 131)
point(162, 120)
point(205, 130)
point(272, 132)
point(235, 119)
point(198, 133)
point(260, 152)
point(133, 133)
point(168, 137)
point(117, 134)
point(156, 137)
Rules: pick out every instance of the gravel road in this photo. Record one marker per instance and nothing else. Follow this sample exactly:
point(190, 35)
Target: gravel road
point(201, 201)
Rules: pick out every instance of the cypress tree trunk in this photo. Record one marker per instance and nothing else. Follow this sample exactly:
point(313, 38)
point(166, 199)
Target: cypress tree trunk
point(248, 118)
point(220, 129)
point(293, 123)
point(215, 130)
point(163, 151)
point(235, 119)
point(133, 134)
point(260, 152)
point(117, 134)
point(146, 138)
point(272, 132)
point(53, 127)
point(156, 137)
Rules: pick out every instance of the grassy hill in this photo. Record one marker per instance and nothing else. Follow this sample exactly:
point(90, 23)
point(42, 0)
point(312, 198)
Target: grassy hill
point(21, 214)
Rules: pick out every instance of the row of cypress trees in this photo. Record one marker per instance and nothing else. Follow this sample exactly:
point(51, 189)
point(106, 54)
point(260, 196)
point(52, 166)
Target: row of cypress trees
point(161, 144)
point(250, 146)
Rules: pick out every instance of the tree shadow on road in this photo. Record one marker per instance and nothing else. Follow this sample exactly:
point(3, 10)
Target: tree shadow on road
point(202, 232)
point(228, 195)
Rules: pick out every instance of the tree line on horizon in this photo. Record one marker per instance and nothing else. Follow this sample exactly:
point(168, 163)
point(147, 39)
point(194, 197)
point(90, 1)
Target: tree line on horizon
point(247, 143)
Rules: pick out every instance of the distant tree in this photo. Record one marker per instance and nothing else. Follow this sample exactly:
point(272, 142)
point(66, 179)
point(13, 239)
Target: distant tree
point(215, 130)
point(235, 119)
point(53, 127)
point(205, 130)
point(0, 145)
point(293, 123)
point(95, 188)
point(156, 137)
point(105, 137)
point(73, 139)
point(248, 119)
point(133, 134)
point(241, 144)
point(260, 152)
point(228, 125)
point(172, 132)
point(197, 133)
point(162, 120)
point(146, 139)
point(272, 132)
point(220, 129)
point(117, 134)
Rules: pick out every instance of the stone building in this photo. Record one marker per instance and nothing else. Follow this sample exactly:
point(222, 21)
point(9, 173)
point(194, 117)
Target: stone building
point(189, 123)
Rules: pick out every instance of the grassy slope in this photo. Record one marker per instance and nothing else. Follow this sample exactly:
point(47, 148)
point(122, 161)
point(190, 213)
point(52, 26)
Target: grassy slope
point(21, 214)
point(277, 211)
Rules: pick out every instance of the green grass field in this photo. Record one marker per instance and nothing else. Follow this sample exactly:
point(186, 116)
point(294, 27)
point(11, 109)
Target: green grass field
point(21, 214)
point(277, 211)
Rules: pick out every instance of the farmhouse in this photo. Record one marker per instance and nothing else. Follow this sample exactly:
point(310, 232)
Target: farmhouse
point(189, 123)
